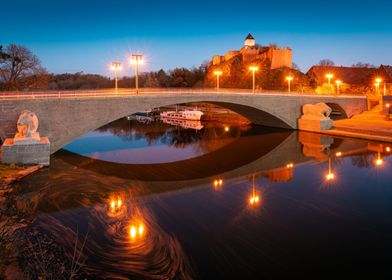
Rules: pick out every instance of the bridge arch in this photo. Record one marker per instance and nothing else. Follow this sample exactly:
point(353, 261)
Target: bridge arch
point(66, 118)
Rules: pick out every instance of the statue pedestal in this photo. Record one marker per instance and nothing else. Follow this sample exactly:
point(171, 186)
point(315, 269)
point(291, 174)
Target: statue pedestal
point(26, 150)
point(314, 125)
point(22, 140)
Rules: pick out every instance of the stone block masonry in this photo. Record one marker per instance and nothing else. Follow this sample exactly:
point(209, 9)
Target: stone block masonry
point(26, 154)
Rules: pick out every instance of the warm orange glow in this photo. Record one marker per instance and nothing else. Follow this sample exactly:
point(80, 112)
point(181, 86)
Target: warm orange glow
point(115, 204)
point(338, 82)
point(218, 183)
point(289, 78)
point(132, 232)
point(379, 162)
point(218, 73)
point(141, 229)
point(388, 149)
point(227, 128)
point(253, 68)
point(388, 105)
point(329, 76)
point(290, 165)
point(330, 176)
point(254, 199)
point(137, 59)
point(378, 80)
point(136, 230)
point(116, 66)
point(339, 154)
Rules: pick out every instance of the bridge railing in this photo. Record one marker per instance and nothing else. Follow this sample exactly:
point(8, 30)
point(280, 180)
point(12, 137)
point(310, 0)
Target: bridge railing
point(145, 91)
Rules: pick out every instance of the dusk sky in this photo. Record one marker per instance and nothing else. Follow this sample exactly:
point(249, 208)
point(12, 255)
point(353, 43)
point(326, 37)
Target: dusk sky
point(72, 36)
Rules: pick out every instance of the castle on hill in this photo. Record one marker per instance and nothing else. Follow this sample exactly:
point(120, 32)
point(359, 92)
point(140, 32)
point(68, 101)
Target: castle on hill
point(278, 56)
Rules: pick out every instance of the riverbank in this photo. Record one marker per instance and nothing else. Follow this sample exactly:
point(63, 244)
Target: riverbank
point(10, 174)
point(374, 129)
point(10, 221)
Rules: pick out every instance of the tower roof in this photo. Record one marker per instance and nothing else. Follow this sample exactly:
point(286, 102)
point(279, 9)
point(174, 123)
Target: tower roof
point(249, 37)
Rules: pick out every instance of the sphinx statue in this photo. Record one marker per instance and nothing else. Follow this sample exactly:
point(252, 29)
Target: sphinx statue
point(315, 117)
point(27, 126)
point(319, 111)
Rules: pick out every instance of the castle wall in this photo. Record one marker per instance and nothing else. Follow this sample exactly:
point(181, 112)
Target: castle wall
point(281, 58)
point(231, 54)
point(217, 59)
point(249, 53)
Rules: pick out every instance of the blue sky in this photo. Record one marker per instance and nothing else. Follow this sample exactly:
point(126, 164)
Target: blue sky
point(71, 36)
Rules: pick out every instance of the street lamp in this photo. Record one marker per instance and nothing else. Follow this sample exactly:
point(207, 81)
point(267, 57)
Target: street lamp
point(253, 69)
point(217, 73)
point(137, 59)
point(289, 79)
point(338, 83)
point(329, 77)
point(116, 66)
point(377, 84)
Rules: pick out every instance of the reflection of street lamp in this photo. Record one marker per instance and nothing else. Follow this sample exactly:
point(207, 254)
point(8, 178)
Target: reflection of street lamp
point(289, 79)
point(329, 77)
point(253, 69)
point(116, 66)
point(338, 83)
point(379, 161)
point(137, 59)
point(217, 73)
point(115, 204)
point(218, 183)
point(330, 175)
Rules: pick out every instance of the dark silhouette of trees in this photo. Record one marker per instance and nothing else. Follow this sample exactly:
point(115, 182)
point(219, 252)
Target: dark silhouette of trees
point(363, 65)
point(20, 69)
point(326, 62)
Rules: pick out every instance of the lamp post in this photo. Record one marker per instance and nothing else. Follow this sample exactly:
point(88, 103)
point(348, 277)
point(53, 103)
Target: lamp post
point(377, 84)
point(254, 69)
point(329, 77)
point(137, 59)
point(116, 66)
point(289, 79)
point(217, 73)
point(338, 83)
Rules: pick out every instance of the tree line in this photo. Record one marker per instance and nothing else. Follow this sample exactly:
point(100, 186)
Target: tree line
point(20, 69)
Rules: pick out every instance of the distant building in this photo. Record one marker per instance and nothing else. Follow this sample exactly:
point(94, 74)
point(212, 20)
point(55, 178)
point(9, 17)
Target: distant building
point(278, 56)
point(356, 76)
point(385, 73)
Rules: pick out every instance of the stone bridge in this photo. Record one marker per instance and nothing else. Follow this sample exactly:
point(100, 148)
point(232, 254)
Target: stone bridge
point(66, 118)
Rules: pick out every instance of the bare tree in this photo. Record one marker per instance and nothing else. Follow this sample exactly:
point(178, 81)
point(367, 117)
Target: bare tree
point(17, 64)
point(326, 62)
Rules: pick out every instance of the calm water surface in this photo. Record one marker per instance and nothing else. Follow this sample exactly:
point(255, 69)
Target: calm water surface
point(155, 201)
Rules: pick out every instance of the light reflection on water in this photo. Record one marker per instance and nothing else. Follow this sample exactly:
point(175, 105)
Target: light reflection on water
point(255, 201)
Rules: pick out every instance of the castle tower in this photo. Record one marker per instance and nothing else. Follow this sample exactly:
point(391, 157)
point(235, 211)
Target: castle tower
point(249, 41)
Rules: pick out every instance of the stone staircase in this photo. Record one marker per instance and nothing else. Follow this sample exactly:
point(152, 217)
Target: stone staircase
point(373, 114)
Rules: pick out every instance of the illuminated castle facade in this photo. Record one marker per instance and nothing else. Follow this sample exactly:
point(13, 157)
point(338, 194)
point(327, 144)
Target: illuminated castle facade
point(278, 56)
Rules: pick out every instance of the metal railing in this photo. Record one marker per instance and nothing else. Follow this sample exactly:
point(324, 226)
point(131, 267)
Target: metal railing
point(15, 95)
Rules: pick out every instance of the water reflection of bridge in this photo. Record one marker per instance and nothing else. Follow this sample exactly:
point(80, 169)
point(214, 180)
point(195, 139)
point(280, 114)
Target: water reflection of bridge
point(77, 181)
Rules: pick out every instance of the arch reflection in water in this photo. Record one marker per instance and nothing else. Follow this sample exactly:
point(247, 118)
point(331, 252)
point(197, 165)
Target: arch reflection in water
point(108, 199)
